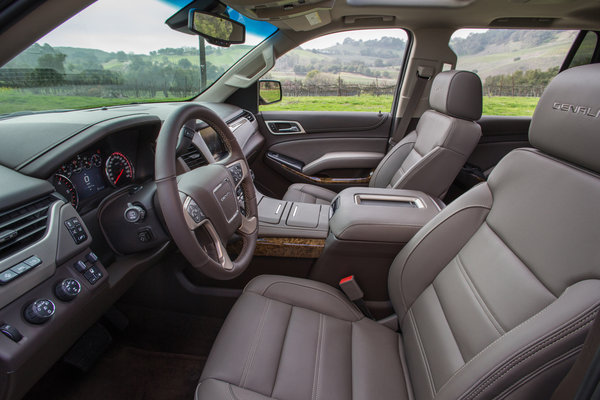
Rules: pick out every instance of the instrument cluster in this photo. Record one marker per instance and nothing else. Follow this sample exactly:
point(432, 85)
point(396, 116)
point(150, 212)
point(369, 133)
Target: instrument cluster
point(92, 172)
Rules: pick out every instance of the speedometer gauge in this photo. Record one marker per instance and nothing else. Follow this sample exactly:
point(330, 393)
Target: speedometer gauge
point(119, 170)
point(65, 187)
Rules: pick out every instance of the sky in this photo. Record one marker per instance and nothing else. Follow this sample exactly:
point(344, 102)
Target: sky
point(138, 26)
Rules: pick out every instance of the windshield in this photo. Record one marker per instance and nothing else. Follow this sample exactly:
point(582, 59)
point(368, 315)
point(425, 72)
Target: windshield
point(119, 52)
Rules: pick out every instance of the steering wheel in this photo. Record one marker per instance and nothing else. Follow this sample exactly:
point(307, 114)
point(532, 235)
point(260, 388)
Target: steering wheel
point(201, 207)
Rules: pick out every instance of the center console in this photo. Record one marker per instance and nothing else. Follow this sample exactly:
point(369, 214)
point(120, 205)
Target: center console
point(359, 234)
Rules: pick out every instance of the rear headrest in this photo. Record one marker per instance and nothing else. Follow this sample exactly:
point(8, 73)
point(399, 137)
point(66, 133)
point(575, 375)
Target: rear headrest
point(457, 94)
point(566, 122)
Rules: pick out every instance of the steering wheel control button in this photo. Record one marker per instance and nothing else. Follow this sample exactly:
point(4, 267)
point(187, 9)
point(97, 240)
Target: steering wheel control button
point(39, 312)
point(93, 275)
point(195, 212)
point(92, 257)
point(236, 172)
point(11, 332)
point(76, 230)
point(67, 290)
point(7, 276)
point(134, 213)
point(145, 235)
point(80, 266)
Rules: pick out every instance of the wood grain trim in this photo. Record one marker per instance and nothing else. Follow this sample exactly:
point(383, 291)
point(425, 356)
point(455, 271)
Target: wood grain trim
point(325, 181)
point(286, 247)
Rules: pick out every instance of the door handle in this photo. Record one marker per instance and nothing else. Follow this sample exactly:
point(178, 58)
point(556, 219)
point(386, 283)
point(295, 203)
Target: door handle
point(285, 127)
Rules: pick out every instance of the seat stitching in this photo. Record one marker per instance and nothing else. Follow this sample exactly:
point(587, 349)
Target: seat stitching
point(527, 353)
point(257, 338)
point(264, 293)
point(422, 351)
point(287, 328)
point(519, 258)
point(409, 256)
point(526, 322)
point(315, 385)
point(543, 368)
point(231, 394)
point(447, 321)
point(477, 296)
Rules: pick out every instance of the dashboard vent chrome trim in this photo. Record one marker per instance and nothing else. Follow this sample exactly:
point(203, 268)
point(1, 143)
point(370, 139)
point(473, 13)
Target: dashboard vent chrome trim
point(23, 225)
point(248, 115)
point(193, 158)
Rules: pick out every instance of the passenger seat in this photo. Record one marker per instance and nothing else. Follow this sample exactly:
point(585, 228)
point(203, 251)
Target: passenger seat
point(428, 158)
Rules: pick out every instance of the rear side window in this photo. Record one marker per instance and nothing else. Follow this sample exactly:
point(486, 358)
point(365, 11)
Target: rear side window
point(515, 65)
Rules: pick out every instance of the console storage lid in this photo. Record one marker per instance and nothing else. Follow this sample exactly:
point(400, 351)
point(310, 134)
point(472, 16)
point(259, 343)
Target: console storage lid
point(381, 215)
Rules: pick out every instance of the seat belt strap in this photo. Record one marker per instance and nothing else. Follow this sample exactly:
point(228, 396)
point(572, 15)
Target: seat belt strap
point(582, 379)
point(424, 74)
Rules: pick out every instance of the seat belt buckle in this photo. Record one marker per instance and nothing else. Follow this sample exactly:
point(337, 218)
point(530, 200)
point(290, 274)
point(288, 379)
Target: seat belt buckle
point(354, 293)
point(351, 289)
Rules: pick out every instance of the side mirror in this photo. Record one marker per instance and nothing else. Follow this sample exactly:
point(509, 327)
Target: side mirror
point(269, 92)
point(216, 29)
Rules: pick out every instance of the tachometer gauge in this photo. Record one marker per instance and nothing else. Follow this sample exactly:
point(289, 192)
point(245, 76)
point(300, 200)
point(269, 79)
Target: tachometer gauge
point(65, 170)
point(65, 187)
point(119, 170)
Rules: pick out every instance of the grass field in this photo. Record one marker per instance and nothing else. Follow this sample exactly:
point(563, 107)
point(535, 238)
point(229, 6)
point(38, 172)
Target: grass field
point(509, 106)
point(11, 101)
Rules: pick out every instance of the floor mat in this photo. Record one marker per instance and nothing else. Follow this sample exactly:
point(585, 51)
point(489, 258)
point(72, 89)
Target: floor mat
point(159, 356)
point(125, 373)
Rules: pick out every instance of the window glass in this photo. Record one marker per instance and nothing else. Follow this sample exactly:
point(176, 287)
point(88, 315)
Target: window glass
point(346, 71)
point(585, 52)
point(515, 65)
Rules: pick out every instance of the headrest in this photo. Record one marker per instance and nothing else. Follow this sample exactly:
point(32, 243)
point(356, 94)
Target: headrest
point(566, 122)
point(457, 94)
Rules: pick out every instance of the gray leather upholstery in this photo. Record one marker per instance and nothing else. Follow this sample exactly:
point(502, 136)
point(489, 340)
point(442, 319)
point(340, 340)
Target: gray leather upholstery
point(457, 94)
point(494, 295)
point(305, 193)
point(429, 158)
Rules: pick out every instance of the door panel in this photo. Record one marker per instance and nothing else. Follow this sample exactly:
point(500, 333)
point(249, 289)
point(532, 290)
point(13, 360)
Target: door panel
point(330, 149)
point(499, 136)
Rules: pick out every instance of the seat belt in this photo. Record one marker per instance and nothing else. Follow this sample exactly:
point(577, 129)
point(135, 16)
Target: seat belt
point(424, 74)
point(581, 381)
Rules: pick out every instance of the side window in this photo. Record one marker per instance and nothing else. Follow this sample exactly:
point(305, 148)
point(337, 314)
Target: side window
point(585, 52)
point(515, 65)
point(346, 71)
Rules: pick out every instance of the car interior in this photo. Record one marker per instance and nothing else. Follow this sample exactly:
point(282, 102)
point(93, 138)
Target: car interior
point(215, 248)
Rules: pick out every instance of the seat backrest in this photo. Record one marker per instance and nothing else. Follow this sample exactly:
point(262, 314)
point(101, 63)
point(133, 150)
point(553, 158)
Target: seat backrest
point(430, 157)
point(496, 293)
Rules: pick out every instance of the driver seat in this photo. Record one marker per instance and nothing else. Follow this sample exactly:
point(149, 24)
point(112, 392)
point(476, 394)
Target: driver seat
point(494, 296)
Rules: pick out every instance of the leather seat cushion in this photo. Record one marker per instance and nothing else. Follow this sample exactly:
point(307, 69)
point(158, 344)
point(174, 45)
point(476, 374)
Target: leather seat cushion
point(295, 339)
point(304, 193)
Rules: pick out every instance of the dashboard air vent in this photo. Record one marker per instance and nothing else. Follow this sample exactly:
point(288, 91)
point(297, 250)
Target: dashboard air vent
point(248, 115)
point(21, 226)
point(193, 158)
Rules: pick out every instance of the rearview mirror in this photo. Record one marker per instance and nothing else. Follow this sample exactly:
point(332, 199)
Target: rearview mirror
point(216, 29)
point(269, 92)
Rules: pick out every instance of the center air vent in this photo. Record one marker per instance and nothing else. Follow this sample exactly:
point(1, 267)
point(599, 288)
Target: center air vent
point(23, 225)
point(193, 158)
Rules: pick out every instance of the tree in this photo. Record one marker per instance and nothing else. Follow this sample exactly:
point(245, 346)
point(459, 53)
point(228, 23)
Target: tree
point(53, 61)
point(184, 63)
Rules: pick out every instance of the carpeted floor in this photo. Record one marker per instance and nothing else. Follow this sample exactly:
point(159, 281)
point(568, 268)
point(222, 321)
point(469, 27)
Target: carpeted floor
point(159, 356)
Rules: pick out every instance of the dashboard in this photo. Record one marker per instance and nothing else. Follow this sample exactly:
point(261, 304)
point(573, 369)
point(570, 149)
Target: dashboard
point(69, 180)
